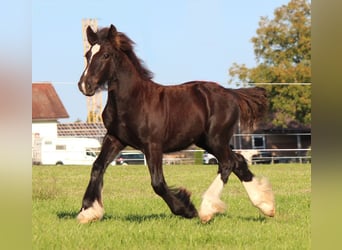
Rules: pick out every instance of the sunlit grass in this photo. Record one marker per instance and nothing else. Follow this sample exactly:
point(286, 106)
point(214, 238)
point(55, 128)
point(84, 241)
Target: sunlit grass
point(136, 218)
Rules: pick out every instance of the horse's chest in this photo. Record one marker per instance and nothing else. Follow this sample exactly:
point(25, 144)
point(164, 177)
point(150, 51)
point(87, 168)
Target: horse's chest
point(114, 119)
point(126, 123)
point(121, 126)
point(119, 123)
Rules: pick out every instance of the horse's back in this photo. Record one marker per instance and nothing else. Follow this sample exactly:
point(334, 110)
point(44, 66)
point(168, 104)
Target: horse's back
point(206, 104)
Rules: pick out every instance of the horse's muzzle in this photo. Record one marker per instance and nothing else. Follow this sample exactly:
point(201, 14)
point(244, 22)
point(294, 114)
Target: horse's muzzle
point(86, 88)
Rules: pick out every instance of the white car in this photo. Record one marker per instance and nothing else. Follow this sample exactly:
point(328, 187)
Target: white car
point(251, 156)
point(209, 158)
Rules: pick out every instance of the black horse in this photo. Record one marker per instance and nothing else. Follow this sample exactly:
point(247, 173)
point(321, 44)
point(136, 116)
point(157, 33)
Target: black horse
point(158, 119)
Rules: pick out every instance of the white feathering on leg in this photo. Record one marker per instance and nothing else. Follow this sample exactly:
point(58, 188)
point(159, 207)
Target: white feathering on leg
point(211, 203)
point(93, 213)
point(261, 195)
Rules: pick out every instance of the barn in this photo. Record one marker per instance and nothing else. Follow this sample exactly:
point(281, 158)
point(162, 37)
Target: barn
point(278, 144)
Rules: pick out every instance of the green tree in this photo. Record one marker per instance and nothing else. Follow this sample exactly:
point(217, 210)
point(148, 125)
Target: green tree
point(282, 47)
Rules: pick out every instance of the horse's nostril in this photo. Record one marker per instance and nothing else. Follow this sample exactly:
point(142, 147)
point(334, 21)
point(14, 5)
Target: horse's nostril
point(88, 86)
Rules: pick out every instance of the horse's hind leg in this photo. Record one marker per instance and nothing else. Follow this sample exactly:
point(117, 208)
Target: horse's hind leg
point(92, 205)
point(211, 202)
point(259, 190)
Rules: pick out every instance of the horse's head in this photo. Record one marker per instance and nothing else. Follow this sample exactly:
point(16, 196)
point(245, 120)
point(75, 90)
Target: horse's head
point(108, 49)
point(101, 58)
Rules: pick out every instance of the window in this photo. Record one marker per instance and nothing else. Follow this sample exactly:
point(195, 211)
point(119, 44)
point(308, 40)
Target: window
point(259, 141)
point(90, 153)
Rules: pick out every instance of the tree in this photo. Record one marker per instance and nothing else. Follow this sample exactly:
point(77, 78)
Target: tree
point(283, 52)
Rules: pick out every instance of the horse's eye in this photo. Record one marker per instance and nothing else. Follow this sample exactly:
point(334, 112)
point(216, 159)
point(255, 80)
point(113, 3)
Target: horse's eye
point(106, 55)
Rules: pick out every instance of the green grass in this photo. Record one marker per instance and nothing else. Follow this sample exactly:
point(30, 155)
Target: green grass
point(136, 218)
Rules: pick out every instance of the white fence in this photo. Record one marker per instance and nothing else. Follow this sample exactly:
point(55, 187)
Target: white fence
point(301, 156)
point(264, 156)
point(256, 148)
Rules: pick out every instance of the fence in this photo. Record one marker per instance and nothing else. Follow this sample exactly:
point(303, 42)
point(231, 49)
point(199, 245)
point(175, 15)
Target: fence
point(265, 156)
point(256, 148)
point(273, 156)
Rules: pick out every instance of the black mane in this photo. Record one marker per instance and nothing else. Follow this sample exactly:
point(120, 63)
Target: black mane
point(125, 44)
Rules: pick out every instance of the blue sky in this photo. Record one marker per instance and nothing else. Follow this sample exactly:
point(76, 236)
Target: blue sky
point(179, 40)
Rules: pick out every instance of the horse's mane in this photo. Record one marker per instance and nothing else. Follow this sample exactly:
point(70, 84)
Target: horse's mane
point(125, 44)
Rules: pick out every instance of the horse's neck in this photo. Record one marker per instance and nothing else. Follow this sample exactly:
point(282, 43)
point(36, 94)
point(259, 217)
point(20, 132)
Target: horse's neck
point(125, 87)
point(129, 83)
point(128, 79)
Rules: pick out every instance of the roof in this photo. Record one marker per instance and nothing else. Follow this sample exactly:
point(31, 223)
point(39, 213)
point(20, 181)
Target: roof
point(291, 127)
point(46, 104)
point(81, 129)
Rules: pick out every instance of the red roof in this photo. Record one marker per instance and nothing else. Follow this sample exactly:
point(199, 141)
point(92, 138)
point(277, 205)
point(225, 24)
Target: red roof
point(46, 104)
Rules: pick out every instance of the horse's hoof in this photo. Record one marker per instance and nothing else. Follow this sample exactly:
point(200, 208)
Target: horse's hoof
point(93, 213)
point(267, 209)
point(205, 218)
point(209, 208)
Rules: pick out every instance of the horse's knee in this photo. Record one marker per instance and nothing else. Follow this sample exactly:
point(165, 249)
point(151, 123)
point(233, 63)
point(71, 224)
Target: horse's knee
point(225, 172)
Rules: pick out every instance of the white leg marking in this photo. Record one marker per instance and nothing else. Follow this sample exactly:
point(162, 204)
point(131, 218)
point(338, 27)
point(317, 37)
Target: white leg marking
point(211, 203)
point(261, 195)
point(93, 213)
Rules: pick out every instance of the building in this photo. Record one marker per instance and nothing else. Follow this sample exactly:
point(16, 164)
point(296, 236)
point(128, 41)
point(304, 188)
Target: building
point(292, 143)
point(47, 108)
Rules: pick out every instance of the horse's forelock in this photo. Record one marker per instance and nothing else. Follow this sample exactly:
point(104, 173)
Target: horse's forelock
point(102, 34)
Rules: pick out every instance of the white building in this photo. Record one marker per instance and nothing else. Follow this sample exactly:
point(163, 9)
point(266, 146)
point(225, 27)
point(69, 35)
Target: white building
point(47, 108)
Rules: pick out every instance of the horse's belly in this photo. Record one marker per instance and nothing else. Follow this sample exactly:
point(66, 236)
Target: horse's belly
point(181, 140)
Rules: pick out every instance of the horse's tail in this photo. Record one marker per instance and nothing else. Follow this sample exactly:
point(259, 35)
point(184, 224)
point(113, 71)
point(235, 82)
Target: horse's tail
point(253, 104)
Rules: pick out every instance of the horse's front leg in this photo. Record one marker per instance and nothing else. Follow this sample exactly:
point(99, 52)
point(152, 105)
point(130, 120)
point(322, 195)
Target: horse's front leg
point(178, 199)
point(92, 205)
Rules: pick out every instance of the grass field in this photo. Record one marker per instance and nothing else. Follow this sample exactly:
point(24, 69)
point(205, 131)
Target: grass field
point(136, 218)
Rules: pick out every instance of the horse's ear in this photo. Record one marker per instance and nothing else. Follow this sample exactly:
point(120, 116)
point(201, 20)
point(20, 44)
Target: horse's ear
point(112, 33)
point(91, 36)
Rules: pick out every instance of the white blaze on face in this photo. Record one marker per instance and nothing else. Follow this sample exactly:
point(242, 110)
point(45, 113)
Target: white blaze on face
point(94, 49)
